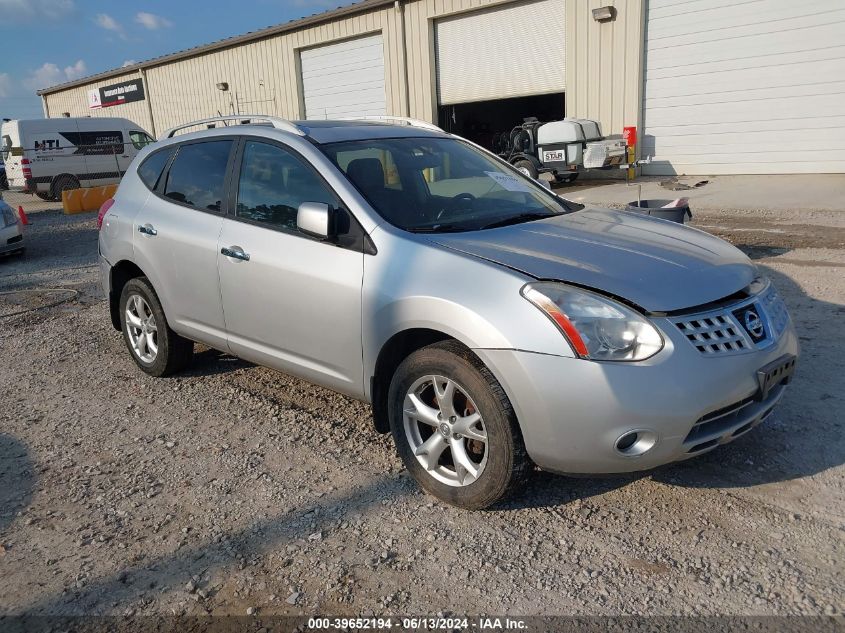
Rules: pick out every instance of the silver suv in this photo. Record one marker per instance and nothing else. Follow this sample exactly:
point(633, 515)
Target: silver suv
point(491, 324)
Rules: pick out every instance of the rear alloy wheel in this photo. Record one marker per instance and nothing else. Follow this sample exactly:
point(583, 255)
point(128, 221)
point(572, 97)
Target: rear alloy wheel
point(155, 348)
point(454, 427)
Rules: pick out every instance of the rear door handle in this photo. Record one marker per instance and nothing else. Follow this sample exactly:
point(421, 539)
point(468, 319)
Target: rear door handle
point(236, 252)
point(147, 229)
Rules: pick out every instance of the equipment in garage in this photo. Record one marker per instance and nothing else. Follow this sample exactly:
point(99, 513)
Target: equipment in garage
point(561, 148)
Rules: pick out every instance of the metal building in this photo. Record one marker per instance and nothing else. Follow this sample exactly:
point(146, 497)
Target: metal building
point(714, 86)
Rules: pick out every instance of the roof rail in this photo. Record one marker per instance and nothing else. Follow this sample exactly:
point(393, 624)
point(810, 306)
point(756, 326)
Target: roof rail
point(399, 119)
point(240, 119)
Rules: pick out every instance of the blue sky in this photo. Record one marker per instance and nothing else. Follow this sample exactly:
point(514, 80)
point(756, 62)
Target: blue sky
point(46, 42)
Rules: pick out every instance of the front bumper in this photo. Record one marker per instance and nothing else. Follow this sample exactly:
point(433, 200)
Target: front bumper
point(573, 411)
point(11, 239)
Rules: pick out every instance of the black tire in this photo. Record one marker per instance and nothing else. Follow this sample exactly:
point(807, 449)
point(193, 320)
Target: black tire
point(527, 167)
point(566, 179)
point(174, 352)
point(62, 183)
point(508, 465)
point(4, 182)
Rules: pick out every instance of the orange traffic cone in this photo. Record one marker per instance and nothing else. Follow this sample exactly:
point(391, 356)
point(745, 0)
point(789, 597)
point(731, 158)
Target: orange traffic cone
point(22, 215)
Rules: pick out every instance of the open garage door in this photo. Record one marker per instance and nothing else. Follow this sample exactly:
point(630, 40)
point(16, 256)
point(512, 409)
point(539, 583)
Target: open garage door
point(345, 79)
point(497, 66)
point(745, 87)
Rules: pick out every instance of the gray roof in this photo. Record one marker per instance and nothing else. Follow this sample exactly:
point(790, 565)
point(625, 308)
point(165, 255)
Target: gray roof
point(325, 16)
point(339, 131)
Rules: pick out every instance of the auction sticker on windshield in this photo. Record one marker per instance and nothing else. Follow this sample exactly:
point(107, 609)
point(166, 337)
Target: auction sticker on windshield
point(506, 181)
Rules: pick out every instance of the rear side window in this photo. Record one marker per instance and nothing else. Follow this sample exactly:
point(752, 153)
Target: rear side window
point(197, 173)
point(150, 170)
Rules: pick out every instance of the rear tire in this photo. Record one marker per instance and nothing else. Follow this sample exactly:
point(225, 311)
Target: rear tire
point(63, 183)
point(154, 347)
point(435, 450)
point(527, 167)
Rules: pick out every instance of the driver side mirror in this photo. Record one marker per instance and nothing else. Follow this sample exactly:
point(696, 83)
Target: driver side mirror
point(315, 219)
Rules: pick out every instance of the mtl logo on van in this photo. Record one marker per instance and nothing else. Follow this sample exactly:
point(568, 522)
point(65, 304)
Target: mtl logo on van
point(47, 144)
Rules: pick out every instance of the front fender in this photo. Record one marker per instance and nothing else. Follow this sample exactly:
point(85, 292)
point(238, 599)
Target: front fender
point(416, 284)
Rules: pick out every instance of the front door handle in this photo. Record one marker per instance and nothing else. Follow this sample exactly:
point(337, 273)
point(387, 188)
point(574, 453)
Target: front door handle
point(236, 252)
point(147, 229)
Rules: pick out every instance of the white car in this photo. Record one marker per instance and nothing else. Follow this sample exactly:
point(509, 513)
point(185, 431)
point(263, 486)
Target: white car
point(11, 231)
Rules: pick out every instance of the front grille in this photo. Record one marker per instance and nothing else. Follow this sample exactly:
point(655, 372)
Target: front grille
point(15, 239)
point(731, 421)
point(713, 334)
point(721, 332)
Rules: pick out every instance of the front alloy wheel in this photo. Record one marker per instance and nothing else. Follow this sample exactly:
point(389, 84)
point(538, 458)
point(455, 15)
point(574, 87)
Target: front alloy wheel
point(454, 427)
point(445, 430)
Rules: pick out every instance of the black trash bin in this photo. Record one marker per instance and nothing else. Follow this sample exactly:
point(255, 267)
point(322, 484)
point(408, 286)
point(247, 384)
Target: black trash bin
point(659, 209)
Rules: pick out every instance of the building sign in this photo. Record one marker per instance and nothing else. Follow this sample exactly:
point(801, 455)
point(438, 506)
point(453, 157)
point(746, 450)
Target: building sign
point(94, 99)
point(117, 94)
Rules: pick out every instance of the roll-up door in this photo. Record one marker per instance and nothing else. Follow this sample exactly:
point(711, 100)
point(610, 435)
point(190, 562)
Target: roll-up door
point(345, 79)
point(740, 87)
point(513, 51)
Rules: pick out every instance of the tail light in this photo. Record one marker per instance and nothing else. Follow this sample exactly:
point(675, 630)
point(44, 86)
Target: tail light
point(27, 170)
point(103, 210)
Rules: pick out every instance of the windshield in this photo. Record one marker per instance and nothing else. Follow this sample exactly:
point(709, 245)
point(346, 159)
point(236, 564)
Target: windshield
point(441, 184)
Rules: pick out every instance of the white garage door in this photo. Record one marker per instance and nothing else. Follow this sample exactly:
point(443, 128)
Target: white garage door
point(514, 51)
point(745, 87)
point(344, 80)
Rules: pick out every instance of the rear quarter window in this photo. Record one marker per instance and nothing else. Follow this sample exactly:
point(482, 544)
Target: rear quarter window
point(197, 173)
point(150, 170)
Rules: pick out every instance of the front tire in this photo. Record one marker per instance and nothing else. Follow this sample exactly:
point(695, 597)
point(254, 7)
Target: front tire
point(61, 184)
point(454, 427)
point(154, 347)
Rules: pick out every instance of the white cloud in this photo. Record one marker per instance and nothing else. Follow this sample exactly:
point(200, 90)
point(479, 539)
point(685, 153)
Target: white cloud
point(50, 75)
point(76, 71)
point(128, 62)
point(152, 21)
point(32, 10)
point(107, 22)
point(5, 85)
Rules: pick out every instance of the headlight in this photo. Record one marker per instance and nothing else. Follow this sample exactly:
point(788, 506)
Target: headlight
point(598, 328)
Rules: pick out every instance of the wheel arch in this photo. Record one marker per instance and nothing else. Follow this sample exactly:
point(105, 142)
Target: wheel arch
point(119, 276)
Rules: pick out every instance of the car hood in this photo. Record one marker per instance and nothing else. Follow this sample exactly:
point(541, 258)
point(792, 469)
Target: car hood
point(658, 265)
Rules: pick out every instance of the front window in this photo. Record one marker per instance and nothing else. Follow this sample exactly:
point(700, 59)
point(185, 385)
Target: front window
point(140, 139)
point(441, 184)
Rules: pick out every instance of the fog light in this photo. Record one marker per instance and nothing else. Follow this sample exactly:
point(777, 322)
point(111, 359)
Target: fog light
point(636, 443)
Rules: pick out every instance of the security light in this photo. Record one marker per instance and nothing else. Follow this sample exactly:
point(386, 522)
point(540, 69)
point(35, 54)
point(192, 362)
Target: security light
point(224, 86)
point(604, 14)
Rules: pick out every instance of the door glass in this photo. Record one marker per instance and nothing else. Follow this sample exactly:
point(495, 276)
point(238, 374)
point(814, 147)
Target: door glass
point(197, 173)
point(140, 139)
point(274, 183)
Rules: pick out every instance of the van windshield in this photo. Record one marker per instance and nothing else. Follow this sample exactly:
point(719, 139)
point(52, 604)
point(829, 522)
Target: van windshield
point(441, 184)
point(6, 147)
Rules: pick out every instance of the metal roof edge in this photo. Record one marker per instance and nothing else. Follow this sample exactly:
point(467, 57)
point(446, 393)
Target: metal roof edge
point(285, 27)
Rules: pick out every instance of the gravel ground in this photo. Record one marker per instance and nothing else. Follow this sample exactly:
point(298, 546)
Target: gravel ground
point(233, 489)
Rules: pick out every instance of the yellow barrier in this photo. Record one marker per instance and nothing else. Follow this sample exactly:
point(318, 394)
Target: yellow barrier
point(86, 199)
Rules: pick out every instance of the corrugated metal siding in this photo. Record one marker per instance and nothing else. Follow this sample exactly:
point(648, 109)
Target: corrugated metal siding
point(603, 63)
point(475, 62)
point(738, 87)
point(75, 101)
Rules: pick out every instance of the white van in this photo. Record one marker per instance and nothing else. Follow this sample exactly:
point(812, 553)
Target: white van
point(48, 156)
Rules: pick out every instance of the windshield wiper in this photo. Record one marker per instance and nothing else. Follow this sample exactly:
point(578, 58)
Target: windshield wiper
point(518, 219)
point(440, 228)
